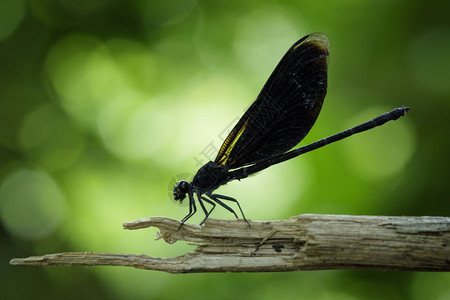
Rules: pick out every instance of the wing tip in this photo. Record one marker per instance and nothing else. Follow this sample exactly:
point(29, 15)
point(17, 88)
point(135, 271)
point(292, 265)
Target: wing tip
point(317, 38)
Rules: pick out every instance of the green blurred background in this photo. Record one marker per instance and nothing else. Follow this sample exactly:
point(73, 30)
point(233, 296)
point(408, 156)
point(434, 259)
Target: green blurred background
point(103, 102)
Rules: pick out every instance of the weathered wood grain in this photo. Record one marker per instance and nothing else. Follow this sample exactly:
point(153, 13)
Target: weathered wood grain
point(305, 242)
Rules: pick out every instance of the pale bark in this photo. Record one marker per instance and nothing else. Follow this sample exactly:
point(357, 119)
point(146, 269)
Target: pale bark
point(305, 242)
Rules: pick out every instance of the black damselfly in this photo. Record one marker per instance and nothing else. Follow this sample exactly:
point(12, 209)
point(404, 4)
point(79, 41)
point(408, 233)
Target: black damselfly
point(281, 116)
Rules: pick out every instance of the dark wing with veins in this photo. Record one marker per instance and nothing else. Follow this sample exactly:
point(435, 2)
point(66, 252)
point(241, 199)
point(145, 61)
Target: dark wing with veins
point(285, 109)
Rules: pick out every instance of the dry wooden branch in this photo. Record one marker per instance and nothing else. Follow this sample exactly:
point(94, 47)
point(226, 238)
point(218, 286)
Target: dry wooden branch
point(305, 242)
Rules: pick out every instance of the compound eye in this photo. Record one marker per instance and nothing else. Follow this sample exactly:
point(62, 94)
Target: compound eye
point(180, 190)
point(177, 189)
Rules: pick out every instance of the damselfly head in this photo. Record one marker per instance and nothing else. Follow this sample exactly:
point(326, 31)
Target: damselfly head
point(180, 190)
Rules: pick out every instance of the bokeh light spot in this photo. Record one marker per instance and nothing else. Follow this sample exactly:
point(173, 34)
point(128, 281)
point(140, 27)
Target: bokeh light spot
point(264, 35)
point(32, 205)
point(89, 74)
point(50, 139)
point(135, 132)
